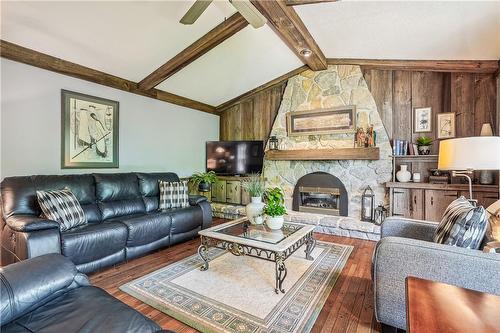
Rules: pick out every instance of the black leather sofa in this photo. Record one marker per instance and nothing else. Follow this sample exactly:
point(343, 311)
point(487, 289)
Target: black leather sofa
point(48, 294)
point(124, 221)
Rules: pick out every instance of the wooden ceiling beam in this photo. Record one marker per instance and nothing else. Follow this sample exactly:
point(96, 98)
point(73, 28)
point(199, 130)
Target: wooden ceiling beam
point(289, 27)
point(464, 66)
point(305, 2)
point(31, 57)
point(210, 40)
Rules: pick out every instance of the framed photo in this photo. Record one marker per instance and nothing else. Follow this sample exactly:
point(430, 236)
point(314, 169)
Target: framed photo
point(422, 118)
point(323, 121)
point(89, 131)
point(446, 125)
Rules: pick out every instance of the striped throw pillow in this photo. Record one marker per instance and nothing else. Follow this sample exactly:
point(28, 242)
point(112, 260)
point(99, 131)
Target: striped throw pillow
point(174, 195)
point(61, 206)
point(463, 225)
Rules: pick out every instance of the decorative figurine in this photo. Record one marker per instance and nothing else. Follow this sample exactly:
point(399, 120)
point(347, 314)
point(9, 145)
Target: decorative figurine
point(360, 137)
point(371, 137)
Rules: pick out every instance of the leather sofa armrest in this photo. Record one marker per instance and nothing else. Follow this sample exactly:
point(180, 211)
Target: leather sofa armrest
point(29, 283)
point(27, 223)
point(196, 199)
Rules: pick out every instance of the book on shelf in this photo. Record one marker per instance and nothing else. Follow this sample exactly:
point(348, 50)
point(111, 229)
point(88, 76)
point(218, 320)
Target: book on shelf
point(404, 148)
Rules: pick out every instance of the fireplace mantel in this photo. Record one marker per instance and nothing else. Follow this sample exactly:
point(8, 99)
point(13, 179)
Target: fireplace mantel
point(371, 153)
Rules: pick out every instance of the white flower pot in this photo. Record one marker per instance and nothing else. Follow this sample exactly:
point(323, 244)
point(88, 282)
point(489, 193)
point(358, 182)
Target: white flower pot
point(275, 222)
point(403, 175)
point(254, 210)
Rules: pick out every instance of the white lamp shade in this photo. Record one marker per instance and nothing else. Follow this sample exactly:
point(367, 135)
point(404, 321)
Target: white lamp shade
point(472, 153)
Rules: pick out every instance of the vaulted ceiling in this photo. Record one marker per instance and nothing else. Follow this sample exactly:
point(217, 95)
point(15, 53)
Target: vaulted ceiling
point(132, 39)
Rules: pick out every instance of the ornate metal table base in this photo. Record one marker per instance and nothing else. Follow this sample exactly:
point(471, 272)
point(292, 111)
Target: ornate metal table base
point(277, 257)
point(203, 253)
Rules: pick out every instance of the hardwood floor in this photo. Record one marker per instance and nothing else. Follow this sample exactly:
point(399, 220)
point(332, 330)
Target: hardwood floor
point(349, 307)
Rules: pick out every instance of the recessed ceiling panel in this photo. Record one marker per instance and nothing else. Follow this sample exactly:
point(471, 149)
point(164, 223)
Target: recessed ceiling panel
point(127, 39)
point(405, 29)
point(245, 61)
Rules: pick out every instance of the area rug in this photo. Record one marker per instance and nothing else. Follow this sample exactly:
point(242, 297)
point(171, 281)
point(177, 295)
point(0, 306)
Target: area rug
point(236, 294)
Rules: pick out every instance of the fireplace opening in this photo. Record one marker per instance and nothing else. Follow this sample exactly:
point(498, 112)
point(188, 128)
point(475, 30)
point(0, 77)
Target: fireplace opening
point(321, 193)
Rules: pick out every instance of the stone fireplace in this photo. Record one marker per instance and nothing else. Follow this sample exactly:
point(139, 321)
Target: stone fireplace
point(320, 193)
point(337, 86)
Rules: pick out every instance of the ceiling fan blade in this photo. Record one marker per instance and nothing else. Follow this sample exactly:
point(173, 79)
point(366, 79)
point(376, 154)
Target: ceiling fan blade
point(195, 11)
point(249, 12)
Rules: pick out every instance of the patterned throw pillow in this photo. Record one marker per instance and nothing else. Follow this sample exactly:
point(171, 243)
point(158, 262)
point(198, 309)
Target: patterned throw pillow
point(463, 225)
point(174, 195)
point(61, 206)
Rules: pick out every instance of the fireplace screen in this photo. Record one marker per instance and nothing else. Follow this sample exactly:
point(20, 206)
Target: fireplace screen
point(321, 200)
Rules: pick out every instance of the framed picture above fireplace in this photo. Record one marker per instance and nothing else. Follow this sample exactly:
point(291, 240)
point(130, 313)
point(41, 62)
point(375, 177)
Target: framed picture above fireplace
point(322, 121)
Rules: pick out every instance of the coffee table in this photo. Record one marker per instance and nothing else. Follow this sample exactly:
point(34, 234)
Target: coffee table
point(241, 238)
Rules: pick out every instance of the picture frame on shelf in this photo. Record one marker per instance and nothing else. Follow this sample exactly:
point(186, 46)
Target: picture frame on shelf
point(422, 119)
point(322, 121)
point(89, 131)
point(446, 125)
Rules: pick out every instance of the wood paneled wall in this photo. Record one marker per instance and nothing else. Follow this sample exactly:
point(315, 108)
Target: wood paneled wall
point(471, 96)
point(252, 118)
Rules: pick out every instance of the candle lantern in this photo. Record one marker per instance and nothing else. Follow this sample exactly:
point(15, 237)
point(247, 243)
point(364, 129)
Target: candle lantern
point(380, 214)
point(273, 143)
point(367, 205)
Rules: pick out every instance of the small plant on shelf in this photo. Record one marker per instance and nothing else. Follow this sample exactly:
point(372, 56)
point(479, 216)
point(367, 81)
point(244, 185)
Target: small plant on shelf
point(204, 180)
point(424, 145)
point(275, 207)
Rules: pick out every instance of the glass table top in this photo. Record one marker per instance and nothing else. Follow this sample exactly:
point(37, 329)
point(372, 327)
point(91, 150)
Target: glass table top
point(260, 232)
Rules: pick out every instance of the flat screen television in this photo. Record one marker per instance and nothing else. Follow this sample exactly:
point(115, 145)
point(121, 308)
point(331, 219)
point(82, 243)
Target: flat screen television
point(235, 157)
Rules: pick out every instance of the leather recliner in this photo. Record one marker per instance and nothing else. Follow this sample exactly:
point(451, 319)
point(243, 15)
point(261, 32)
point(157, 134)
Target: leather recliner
point(48, 294)
point(122, 209)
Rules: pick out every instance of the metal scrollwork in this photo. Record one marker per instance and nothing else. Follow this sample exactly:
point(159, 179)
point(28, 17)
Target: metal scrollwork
point(310, 245)
point(281, 272)
point(236, 249)
point(203, 253)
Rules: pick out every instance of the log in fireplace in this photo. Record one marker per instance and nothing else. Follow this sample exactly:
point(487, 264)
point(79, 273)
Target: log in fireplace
point(322, 193)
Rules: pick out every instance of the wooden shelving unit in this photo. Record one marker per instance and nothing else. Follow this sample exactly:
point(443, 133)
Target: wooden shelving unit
point(372, 153)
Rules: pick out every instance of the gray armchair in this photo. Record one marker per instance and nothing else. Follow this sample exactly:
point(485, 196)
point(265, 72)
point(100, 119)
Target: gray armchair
point(406, 249)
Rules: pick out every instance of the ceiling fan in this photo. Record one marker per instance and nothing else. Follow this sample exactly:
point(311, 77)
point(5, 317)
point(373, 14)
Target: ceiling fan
point(246, 9)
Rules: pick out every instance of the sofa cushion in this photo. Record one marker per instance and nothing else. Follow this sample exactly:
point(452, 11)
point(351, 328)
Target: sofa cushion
point(149, 187)
point(185, 219)
point(82, 186)
point(463, 225)
point(174, 195)
point(86, 309)
point(93, 241)
point(63, 207)
point(18, 197)
point(147, 228)
point(118, 195)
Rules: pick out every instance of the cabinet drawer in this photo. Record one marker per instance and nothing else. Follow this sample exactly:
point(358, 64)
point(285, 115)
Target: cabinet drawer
point(219, 191)
point(436, 202)
point(233, 191)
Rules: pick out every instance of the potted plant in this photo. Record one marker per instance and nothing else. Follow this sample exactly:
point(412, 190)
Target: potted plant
point(255, 188)
point(424, 145)
point(274, 208)
point(204, 180)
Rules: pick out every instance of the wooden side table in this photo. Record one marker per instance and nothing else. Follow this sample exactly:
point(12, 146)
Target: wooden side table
point(438, 307)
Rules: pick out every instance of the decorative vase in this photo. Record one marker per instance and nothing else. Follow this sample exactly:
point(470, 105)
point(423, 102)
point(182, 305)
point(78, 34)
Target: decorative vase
point(254, 210)
point(403, 175)
point(275, 222)
point(204, 187)
point(424, 150)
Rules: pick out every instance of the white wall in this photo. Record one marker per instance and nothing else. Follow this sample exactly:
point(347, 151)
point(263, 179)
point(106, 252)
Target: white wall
point(154, 135)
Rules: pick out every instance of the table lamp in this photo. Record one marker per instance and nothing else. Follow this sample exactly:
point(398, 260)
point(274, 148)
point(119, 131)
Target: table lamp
point(462, 156)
